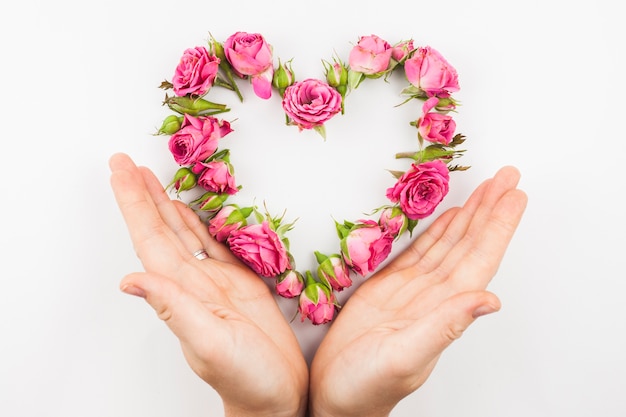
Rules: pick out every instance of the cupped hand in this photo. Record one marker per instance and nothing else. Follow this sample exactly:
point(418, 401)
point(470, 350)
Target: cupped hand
point(387, 338)
point(230, 328)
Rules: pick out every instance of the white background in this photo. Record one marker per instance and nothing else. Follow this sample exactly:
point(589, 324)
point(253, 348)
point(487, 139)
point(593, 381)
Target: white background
point(542, 88)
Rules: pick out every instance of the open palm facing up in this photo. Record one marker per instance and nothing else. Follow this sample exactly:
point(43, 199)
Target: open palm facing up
point(388, 337)
point(231, 330)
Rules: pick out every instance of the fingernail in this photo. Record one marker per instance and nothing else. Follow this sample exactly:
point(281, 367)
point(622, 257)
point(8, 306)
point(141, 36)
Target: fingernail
point(484, 310)
point(132, 290)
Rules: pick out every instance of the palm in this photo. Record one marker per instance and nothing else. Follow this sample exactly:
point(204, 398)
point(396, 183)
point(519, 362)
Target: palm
point(388, 337)
point(231, 330)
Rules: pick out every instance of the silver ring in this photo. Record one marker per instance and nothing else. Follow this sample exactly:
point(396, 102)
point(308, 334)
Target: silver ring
point(201, 254)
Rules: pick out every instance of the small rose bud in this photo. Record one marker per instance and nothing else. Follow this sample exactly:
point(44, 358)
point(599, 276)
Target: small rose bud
point(333, 271)
point(317, 302)
point(171, 124)
point(228, 219)
point(289, 284)
point(283, 77)
point(394, 221)
point(210, 202)
point(184, 179)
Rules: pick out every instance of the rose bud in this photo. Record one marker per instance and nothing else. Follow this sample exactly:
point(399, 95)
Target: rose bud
point(171, 124)
point(401, 51)
point(435, 127)
point(289, 284)
point(370, 57)
point(283, 77)
point(337, 77)
point(184, 179)
point(317, 302)
point(394, 221)
point(227, 220)
point(333, 271)
point(217, 176)
point(364, 245)
point(210, 202)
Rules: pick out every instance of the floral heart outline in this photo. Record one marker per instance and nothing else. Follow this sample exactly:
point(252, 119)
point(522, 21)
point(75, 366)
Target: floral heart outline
point(258, 238)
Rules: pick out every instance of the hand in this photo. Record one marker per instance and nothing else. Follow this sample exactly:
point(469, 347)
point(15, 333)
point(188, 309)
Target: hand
point(231, 331)
point(387, 338)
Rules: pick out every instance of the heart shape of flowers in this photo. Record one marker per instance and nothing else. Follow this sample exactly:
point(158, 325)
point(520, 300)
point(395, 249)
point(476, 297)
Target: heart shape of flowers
point(258, 238)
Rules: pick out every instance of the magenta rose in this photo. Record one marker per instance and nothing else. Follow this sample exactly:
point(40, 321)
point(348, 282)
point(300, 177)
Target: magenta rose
point(365, 246)
point(195, 72)
point(370, 56)
point(435, 127)
point(310, 103)
point(197, 138)
point(250, 55)
point(428, 70)
point(420, 190)
point(217, 176)
point(289, 284)
point(227, 220)
point(260, 247)
point(317, 303)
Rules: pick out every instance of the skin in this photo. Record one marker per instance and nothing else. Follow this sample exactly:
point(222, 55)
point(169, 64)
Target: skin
point(397, 323)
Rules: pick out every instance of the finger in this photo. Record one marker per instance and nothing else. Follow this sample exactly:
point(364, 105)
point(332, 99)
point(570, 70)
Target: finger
point(183, 313)
point(155, 244)
point(481, 261)
point(171, 214)
point(468, 223)
point(417, 345)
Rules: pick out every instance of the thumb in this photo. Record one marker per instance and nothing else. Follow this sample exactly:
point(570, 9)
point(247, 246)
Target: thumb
point(182, 313)
point(433, 333)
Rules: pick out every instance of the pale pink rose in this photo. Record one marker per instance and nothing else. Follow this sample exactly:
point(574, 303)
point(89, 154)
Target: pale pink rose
point(428, 70)
point(250, 55)
point(227, 220)
point(311, 102)
point(393, 221)
point(334, 272)
point(197, 139)
point(371, 55)
point(317, 303)
point(420, 190)
point(195, 72)
point(435, 127)
point(366, 246)
point(289, 284)
point(217, 176)
point(259, 247)
point(401, 50)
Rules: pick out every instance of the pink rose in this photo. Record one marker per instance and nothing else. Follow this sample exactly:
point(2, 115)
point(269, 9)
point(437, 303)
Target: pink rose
point(250, 55)
point(401, 50)
point(259, 247)
point(217, 176)
point(428, 70)
point(317, 303)
point(420, 190)
point(195, 72)
point(393, 221)
point(289, 284)
point(371, 55)
point(366, 246)
point(197, 138)
point(227, 220)
point(333, 271)
point(433, 126)
point(310, 103)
